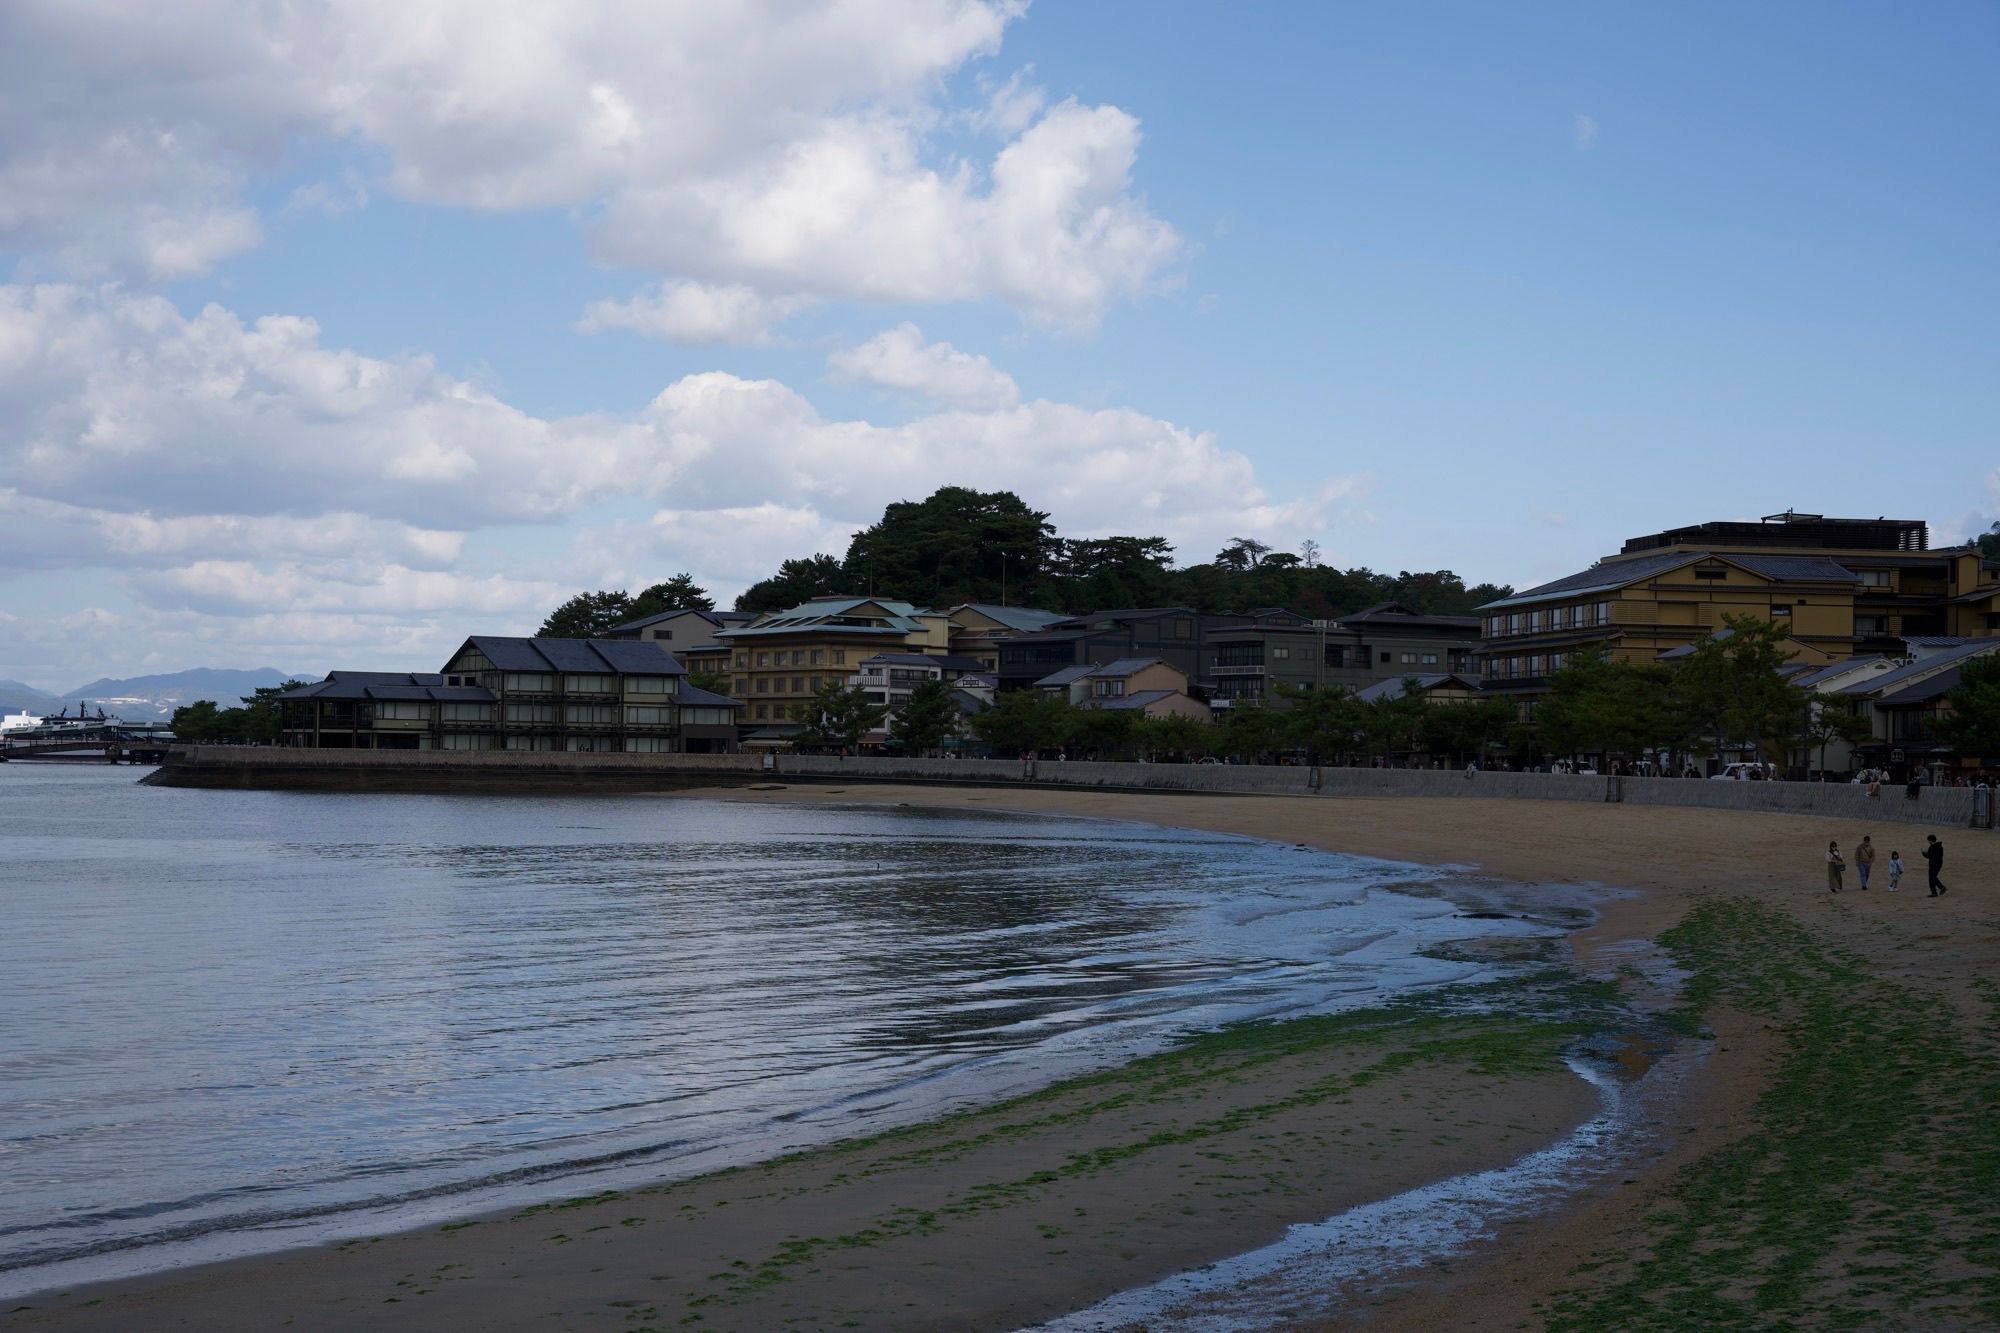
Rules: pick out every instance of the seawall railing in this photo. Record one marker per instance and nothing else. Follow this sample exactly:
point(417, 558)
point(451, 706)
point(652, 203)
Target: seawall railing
point(451, 770)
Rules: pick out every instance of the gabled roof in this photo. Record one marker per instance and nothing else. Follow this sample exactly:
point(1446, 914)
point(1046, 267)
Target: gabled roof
point(625, 657)
point(1606, 575)
point(1909, 673)
point(388, 685)
point(695, 697)
point(969, 704)
point(1023, 618)
point(1389, 614)
point(1124, 666)
point(1123, 615)
point(1065, 676)
point(717, 618)
point(1393, 687)
point(823, 615)
point(1925, 690)
point(1139, 700)
point(1834, 670)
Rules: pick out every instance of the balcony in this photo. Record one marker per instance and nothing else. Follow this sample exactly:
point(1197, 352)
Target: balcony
point(1238, 668)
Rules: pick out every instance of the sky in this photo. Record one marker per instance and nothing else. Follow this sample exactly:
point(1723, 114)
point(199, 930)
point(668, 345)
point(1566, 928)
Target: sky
point(330, 335)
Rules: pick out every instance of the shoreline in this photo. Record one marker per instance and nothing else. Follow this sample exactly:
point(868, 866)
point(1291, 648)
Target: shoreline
point(1669, 858)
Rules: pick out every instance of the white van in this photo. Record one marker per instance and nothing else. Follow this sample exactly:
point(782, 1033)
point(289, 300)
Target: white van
point(1747, 773)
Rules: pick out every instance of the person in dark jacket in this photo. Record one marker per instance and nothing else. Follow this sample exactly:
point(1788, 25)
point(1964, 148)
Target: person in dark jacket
point(1934, 861)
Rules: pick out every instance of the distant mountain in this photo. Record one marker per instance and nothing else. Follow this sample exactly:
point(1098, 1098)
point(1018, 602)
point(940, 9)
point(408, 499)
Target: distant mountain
point(141, 698)
point(16, 697)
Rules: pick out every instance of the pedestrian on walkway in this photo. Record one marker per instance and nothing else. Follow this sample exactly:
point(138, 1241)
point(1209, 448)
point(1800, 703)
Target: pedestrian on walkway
point(1864, 859)
point(1934, 857)
point(1895, 870)
point(1834, 865)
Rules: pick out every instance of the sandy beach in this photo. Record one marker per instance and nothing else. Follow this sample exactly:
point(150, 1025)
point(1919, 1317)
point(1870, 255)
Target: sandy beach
point(1017, 1213)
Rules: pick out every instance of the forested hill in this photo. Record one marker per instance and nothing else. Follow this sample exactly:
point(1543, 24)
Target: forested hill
point(962, 545)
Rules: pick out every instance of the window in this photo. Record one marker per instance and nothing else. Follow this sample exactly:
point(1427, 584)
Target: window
point(530, 680)
point(648, 744)
point(1409, 659)
point(763, 659)
point(402, 710)
point(531, 713)
point(1778, 610)
point(763, 710)
point(466, 712)
point(1110, 689)
point(1430, 659)
point(1514, 622)
point(648, 685)
point(602, 715)
point(1873, 578)
point(819, 657)
point(1604, 613)
point(742, 686)
point(588, 684)
point(1280, 654)
point(663, 634)
point(1715, 573)
point(1535, 665)
point(531, 742)
point(1385, 658)
point(589, 743)
point(1871, 624)
point(452, 740)
point(1555, 662)
point(798, 684)
point(1336, 655)
point(840, 657)
point(818, 683)
point(763, 686)
point(742, 661)
point(648, 715)
point(1534, 622)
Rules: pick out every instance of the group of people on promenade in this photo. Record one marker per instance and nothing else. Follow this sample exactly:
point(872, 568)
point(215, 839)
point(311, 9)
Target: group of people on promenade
point(1864, 862)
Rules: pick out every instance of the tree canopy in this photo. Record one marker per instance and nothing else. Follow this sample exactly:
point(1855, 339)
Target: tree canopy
point(589, 614)
point(927, 719)
point(256, 721)
point(1971, 723)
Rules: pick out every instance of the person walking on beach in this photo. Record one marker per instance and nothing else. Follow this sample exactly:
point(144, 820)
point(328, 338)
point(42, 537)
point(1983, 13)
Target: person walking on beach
point(1864, 859)
point(1834, 865)
point(1934, 860)
point(1895, 870)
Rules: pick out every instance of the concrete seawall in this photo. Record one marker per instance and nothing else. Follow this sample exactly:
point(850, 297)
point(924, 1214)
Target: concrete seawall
point(250, 767)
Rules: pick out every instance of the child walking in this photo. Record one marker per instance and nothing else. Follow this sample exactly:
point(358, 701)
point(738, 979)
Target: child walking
point(1834, 865)
point(1895, 870)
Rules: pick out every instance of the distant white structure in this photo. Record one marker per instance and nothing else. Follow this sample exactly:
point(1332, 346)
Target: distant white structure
point(20, 722)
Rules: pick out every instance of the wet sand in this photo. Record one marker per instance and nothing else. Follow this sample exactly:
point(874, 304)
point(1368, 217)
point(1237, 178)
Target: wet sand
point(1020, 1212)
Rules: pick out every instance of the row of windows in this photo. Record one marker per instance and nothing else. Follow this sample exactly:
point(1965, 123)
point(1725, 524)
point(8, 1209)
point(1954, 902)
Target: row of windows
point(1514, 668)
point(544, 682)
point(776, 685)
point(576, 744)
point(792, 657)
point(1581, 616)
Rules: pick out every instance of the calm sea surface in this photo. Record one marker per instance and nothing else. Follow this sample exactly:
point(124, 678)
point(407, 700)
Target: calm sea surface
point(233, 1021)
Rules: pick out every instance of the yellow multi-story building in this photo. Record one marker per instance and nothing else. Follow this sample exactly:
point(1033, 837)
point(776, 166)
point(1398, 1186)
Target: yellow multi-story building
point(779, 661)
point(1840, 586)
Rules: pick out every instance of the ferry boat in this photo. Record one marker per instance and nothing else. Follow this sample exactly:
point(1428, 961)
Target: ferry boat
point(19, 722)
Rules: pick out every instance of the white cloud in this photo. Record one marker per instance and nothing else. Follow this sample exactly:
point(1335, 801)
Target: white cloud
point(237, 473)
point(694, 312)
point(900, 359)
point(793, 149)
point(1583, 132)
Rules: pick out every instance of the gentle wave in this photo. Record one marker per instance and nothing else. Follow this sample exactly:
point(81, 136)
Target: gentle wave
point(265, 1018)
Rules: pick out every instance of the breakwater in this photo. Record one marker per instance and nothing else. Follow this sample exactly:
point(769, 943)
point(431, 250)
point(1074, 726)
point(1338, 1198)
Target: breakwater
point(267, 768)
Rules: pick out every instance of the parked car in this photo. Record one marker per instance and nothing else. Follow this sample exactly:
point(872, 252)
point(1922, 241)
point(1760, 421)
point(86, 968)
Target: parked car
point(1747, 773)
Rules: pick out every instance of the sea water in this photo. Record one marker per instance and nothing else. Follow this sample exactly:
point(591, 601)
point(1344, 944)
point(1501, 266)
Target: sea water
point(235, 1021)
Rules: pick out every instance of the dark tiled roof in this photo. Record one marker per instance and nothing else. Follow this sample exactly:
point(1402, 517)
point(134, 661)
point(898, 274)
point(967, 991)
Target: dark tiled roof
point(1125, 666)
point(629, 657)
point(1393, 687)
point(1833, 669)
point(1796, 568)
point(1604, 574)
point(1890, 681)
point(700, 698)
point(1066, 675)
point(1922, 692)
point(1139, 700)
